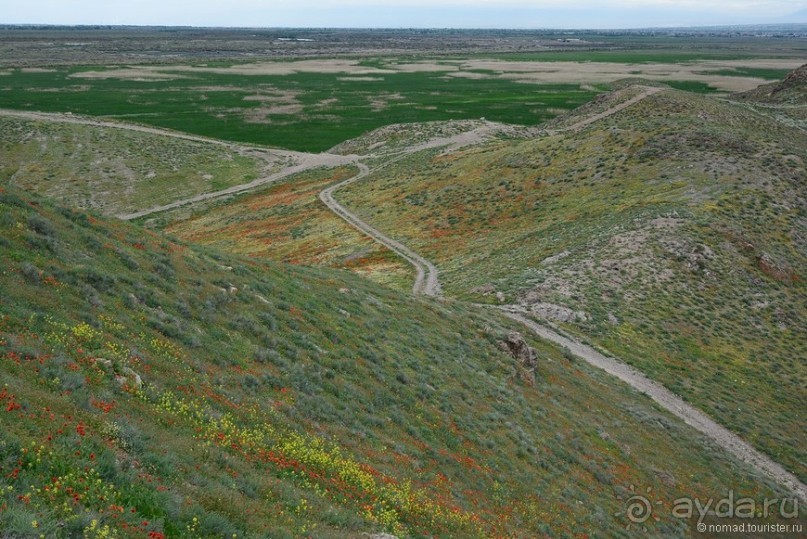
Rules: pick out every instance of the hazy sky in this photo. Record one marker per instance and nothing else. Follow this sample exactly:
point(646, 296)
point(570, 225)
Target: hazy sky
point(405, 13)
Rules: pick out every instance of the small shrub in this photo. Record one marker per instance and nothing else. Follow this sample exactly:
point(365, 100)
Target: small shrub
point(31, 273)
point(41, 225)
point(98, 280)
point(39, 242)
point(568, 354)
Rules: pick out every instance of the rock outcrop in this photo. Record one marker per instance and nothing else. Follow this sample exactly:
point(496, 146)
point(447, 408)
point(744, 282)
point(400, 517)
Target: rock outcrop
point(524, 354)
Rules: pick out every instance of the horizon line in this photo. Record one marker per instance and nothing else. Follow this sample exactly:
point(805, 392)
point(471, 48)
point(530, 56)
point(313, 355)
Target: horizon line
point(464, 28)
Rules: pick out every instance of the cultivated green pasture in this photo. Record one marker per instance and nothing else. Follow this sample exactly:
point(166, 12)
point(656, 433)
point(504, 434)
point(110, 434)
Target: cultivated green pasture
point(302, 111)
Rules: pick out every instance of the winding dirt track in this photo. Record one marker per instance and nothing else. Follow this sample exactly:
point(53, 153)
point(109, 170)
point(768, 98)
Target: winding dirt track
point(427, 282)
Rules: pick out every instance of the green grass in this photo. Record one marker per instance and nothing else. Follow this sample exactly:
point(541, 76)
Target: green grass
point(190, 105)
point(283, 402)
point(692, 86)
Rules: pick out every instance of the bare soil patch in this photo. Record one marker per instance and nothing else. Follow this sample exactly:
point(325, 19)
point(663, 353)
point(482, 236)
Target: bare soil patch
point(424, 67)
point(334, 66)
point(144, 74)
point(598, 72)
point(470, 75)
point(381, 101)
point(263, 114)
point(360, 79)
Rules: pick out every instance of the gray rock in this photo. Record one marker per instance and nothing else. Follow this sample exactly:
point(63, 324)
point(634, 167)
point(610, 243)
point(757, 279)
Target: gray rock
point(524, 355)
point(130, 377)
point(105, 364)
point(550, 311)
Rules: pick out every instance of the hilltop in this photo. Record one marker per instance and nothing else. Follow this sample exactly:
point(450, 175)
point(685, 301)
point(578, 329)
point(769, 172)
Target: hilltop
point(785, 101)
point(791, 91)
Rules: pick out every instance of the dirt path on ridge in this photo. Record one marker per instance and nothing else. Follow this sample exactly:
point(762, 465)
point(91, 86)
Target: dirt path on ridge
point(649, 90)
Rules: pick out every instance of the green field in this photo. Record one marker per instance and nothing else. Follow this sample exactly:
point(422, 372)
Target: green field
point(325, 109)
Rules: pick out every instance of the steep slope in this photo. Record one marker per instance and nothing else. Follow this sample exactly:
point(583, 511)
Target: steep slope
point(671, 233)
point(152, 388)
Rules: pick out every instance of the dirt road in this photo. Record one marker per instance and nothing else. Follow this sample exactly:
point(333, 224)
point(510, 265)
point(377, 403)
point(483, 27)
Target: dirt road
point(672, 403)
point(426, 281)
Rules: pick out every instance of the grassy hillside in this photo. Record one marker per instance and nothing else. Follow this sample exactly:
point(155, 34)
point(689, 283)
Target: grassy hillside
point(790, 91)
point(151, 388)
point(113, 171)
point(671, 233)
